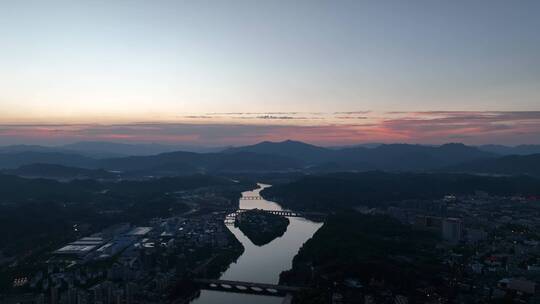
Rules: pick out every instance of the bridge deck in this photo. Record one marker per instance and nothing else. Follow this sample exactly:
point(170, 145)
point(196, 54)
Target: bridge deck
point(251, 198)
point(279, 288)
point(287, 213)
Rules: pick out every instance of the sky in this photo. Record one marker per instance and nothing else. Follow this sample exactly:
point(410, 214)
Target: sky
point(237, 72)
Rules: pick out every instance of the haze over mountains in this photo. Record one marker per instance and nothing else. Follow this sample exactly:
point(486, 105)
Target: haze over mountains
point(515, 150)
point(265, 157)
point(101, 149)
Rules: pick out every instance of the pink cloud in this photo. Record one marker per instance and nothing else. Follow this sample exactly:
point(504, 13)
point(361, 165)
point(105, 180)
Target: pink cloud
point(414, 127)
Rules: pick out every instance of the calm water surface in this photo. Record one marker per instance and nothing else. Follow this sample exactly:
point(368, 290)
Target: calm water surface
point(261, 264)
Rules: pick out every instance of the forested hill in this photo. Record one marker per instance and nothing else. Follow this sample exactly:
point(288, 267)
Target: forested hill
point(17, 189)
point(508, 165)
point(344, 190)
point(352, 245)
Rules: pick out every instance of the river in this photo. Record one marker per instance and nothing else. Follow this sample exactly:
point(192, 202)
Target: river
point(261, 264)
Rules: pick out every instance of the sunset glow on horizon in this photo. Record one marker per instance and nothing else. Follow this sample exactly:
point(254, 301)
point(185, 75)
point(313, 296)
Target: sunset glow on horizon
point(220, 73)
point(340, 128)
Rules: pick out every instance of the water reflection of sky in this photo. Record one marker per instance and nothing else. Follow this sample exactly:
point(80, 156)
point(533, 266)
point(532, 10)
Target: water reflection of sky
point(261, 264)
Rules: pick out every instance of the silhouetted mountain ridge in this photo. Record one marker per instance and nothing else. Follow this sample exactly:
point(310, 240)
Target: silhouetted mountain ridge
point(276, 157)
point(409, 157)
point(383, 157)
point(515, 150)
point(289, 148)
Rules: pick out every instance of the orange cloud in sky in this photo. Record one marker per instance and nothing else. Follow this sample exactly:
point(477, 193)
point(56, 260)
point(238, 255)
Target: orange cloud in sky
point(326, 129)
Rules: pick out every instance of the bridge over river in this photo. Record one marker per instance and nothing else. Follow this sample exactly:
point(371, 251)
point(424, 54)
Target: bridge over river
point(231, 216)
point(283, 213)
point(251, 198)
point(247, 287)
point(263, 264)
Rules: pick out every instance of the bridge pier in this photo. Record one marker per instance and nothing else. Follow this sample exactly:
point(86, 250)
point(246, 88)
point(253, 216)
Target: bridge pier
point(251, 198)
point(288, 299)
point(246, 287)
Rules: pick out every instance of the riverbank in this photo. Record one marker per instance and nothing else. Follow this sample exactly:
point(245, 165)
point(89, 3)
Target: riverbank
point(261, 264)
point(215, 262)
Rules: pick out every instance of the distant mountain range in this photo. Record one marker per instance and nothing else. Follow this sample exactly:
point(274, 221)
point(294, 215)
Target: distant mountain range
point(293, 149)
point(516, 150)
point(267, 156)
point(382, 157)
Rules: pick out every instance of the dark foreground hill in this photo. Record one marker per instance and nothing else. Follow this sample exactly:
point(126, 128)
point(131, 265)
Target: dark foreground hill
point(38, 215)
point(509, 165)
point(19, 190)
point(352, 245)
point(344, 190)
